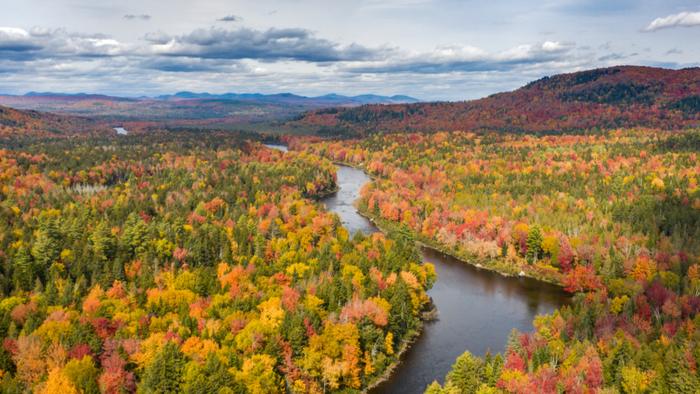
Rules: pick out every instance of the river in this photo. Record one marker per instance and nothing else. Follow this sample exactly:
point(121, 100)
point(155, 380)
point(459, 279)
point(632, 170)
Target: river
point(477, 308)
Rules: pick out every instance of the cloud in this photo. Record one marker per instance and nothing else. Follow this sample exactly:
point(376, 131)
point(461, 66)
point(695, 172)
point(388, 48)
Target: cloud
point(143, 17)
point(468, 59)
point(682, 19)
point(269, 45)
point(230, 18)
point(193, 65)
point(16, 42)
point(616, 57)
point(21, 45)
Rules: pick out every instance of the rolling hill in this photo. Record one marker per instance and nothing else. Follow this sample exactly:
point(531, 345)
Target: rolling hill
point(19, 123)
point(624, 96)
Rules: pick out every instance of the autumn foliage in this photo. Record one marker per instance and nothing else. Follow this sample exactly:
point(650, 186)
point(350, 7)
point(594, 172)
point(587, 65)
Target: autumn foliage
point(613, 217)
point(191, 263)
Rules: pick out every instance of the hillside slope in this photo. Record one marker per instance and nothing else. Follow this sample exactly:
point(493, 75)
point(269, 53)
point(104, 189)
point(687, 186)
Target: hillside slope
point(19, 123)
point(622, 96)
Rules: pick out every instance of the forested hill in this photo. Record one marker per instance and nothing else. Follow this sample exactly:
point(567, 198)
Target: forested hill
point(19, 123)
point(621, 96)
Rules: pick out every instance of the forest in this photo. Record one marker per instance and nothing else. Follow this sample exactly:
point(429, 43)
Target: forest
point(194, 263)
point(604, 98)
point(204, 261)
point(613, 217)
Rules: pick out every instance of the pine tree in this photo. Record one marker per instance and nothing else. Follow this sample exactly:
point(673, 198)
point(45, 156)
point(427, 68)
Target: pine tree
point(164, 373)
point(22, 272)
point(679, 377)
point(208, 378)
point(534, 244)
point(102, 242)
point(135, 235)
point(466, 373)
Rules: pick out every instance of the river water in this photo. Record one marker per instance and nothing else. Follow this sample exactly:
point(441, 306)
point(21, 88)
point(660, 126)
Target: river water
point(477, 309)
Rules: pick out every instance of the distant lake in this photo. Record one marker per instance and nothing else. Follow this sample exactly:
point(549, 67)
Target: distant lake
point(282, 148)
point(121, 131)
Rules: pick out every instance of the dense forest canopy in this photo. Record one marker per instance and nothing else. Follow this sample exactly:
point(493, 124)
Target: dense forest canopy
point(606, 98)
point(191, 263)
point(613, 217)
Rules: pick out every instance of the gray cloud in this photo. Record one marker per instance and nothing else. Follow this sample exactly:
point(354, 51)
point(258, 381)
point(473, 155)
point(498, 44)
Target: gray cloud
point(193, 65)
point(143, 17)
point(269, 45)
point(21, 45)
point(469, 59)
point(17, 44)
point(616, 57)
point(230, 18)
point(682, 19)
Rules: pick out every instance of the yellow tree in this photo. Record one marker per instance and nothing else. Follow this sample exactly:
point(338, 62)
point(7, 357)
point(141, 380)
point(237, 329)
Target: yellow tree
point(259, 376)
point(58, 383)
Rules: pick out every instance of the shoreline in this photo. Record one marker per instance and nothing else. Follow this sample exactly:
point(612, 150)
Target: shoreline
point(435, 246)
point(385, 227)
point(382, 225)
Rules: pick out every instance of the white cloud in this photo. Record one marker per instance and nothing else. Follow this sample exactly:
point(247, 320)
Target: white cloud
point(13, 33)
point(684, 19)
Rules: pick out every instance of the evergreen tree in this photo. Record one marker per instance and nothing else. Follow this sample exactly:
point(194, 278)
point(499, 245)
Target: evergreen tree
point(23, 272)
point(164, 373)
point(211, 377)
point(467, 373)
point(534, 244)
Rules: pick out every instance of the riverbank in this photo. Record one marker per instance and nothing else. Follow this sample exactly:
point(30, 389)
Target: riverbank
point(498, 265)
point(478, 308)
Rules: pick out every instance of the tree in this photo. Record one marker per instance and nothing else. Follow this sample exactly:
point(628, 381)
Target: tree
point(83, 374)
point(679, 377)
point(466, 373)
point(102, 242)
point(259, 376)
point(135, 235)
point(164, 373)
point(22, 271)
point(59, 383)
point(534, 244)
point(46, 247)
point(208, 378)
point(582, 278)
point(29, 359)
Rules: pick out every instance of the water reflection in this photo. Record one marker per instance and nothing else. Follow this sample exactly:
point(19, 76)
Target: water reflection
point(350, 180)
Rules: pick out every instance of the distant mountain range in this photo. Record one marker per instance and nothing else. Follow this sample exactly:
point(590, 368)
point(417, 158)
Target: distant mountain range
point(624, 96)
point(229, 107)
point(290, 97)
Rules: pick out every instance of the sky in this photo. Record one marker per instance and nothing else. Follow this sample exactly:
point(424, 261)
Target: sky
point(429, 49)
